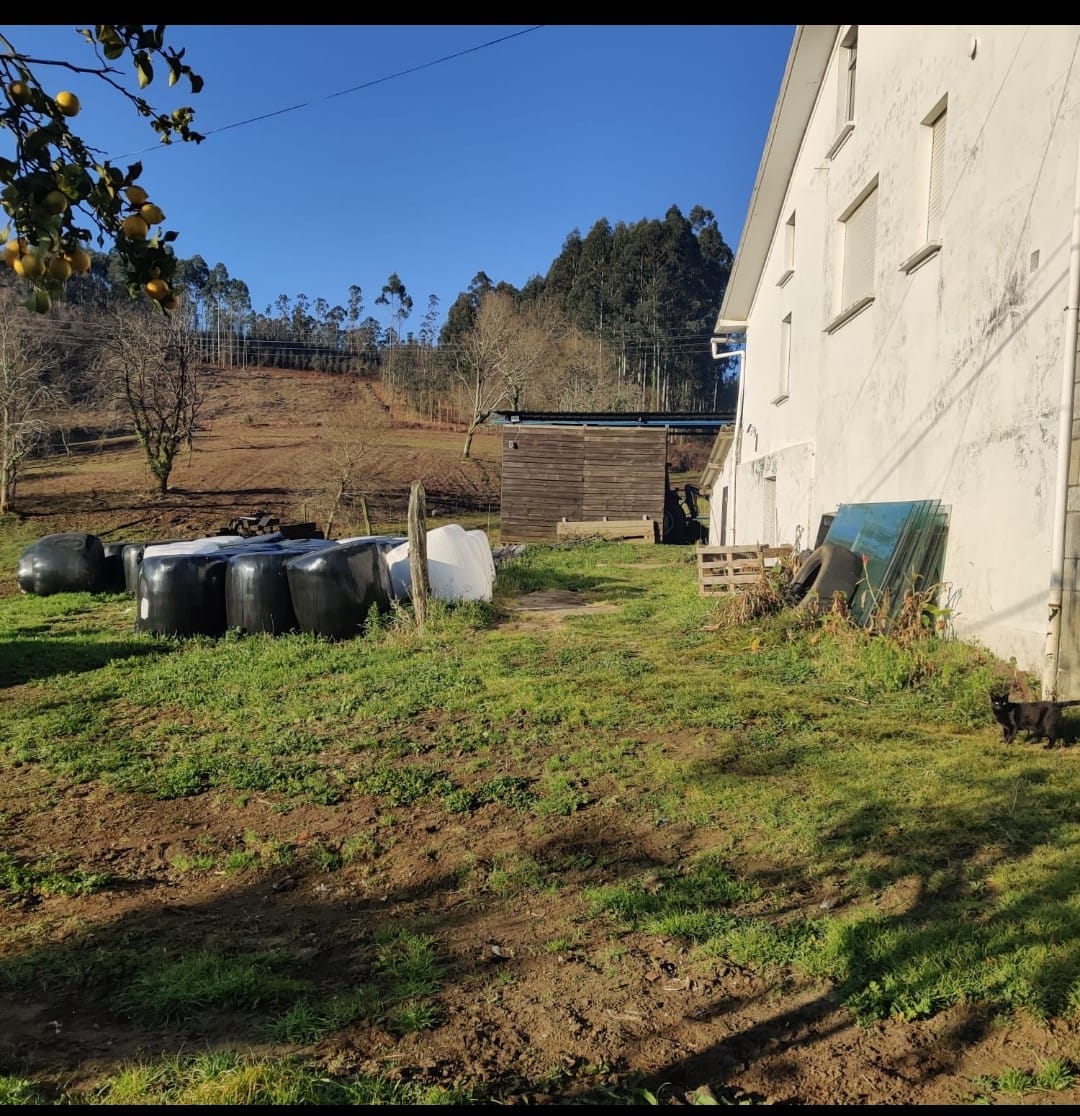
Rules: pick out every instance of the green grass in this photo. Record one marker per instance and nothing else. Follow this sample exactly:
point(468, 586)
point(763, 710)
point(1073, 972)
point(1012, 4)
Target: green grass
point(805, 759)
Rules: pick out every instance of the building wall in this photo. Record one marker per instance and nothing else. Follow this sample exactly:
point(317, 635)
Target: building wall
point(947, 385)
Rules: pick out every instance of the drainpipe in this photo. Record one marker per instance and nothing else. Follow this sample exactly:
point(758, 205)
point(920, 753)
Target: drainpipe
point(1065, 435)
point(737, 447)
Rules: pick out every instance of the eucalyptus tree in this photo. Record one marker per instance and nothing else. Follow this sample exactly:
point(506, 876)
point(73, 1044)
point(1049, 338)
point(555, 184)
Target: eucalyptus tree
point(395, 296)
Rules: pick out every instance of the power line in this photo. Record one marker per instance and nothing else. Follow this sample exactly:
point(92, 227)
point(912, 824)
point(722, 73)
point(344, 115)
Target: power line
point(345, 92)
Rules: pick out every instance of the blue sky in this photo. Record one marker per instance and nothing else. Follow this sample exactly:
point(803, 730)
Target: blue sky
point(381, 152)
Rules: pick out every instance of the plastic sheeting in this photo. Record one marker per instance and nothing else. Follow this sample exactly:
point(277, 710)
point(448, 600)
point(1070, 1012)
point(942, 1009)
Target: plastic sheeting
point(68, 562)
point(333, 589)
point(263, 583)
point(182, 594)
point(257, 594)
point(460, 565)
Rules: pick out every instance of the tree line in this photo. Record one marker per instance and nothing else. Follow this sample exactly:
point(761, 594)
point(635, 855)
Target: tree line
point(621, 321)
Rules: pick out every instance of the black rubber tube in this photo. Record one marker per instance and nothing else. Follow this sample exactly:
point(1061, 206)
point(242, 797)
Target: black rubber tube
point(829, 570)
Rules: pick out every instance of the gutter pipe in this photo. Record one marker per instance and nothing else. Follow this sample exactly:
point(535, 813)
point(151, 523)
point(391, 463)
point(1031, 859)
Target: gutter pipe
point(741, 354)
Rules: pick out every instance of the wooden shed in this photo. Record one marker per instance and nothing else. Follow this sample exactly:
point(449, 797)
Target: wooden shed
point(582, 467)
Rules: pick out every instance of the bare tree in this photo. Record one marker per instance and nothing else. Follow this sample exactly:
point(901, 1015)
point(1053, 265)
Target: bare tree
point(153, 364)
point(498, 358)
point(352, 437)
point(28, 399)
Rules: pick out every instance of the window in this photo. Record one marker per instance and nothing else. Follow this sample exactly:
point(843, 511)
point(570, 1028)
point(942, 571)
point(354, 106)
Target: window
point(768, 524)
point(860, 228)
point(789, 251)
point(935, 192)
point(845, 92)
point(849, 53)
point(859, 233)
point(785, 360)
point(931, 175)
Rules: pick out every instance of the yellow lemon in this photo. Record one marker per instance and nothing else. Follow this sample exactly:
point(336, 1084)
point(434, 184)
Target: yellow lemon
point(157, 289)
point(79, 259)
point(29, 267)
point(54, 202)
point(59, 268)
point(134, 227)
point(172, 302)
point(151, 214)
point(136, 195)
point(67, 103)
point(19, 92)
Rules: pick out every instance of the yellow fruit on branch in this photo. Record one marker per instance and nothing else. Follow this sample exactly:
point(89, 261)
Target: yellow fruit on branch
point(29, 266)
point(172, 302)
point(67, 103)
point(55, 202)
point(19, 92)
point(157, 289)
point(79, 258)
point(134, 227)
point(136, 195)
point(59, 268)
point(151, 214)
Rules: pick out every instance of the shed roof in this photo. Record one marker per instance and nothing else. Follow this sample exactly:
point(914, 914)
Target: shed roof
point(688, 422)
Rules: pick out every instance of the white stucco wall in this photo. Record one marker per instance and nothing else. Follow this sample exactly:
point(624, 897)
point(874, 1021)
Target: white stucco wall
point(947, 385)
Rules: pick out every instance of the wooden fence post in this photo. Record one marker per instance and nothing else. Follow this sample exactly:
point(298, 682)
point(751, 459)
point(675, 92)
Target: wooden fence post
point(418, 571)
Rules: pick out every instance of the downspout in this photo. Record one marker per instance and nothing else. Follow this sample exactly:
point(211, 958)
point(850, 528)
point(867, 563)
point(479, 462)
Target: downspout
point(737, 444)
point(738, 440)
point(1065, 436)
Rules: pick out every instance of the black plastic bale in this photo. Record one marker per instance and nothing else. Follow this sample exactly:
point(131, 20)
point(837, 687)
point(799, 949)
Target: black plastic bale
point(132, 559)
point(113, 578)
point(182, 594)
point(334, 588)
point(257, 594)
point(68, 562)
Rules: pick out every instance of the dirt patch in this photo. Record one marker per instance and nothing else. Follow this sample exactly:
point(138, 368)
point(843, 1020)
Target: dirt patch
point(272, 441)
point(540, 1001)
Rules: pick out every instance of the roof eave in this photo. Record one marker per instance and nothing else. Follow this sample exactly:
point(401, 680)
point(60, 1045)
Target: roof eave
point(807, 64)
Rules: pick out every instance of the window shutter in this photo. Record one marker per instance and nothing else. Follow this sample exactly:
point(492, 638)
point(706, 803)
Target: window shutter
point(859, 233)
point(937, 166)
point(785, 355)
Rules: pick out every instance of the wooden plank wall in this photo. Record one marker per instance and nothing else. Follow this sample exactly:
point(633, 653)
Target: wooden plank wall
point(550, 473)
point(541, 480)
point(624, 473)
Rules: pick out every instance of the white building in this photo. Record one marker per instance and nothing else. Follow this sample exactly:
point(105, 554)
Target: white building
point(905, 293)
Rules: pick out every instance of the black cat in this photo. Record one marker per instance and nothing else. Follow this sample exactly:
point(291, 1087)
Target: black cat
point(1042, 719)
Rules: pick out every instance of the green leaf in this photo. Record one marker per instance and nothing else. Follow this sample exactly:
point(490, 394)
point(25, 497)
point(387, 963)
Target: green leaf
point(144, 70)
point(196, 83)
point(174, 73)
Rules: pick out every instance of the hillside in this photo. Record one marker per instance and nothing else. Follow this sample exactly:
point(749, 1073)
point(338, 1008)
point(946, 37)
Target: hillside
point(270, 440)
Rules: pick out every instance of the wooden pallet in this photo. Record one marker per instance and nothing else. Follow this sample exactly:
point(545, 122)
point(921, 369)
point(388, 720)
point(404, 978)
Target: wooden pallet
point(614, 530)
point(722, 569)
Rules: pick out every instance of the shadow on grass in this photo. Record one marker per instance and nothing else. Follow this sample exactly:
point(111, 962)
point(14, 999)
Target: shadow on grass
point(34, 660)
point(316, 930)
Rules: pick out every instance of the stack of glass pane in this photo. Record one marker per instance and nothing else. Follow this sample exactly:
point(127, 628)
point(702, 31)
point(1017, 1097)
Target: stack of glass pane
point(902, 545)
